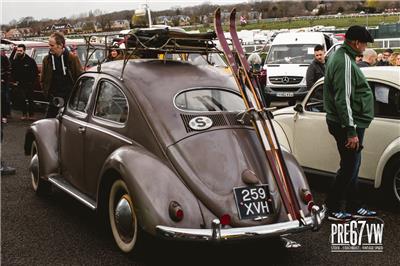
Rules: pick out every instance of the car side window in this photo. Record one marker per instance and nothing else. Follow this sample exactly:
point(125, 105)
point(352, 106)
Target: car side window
point(80, 98)
point(387, 100)
point(316, 101)
point(111, 103)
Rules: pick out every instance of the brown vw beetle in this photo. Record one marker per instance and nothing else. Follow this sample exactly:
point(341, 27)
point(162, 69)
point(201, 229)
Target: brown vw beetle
point(158, 145)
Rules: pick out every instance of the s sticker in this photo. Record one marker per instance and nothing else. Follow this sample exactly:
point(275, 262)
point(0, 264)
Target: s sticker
point(200, 123)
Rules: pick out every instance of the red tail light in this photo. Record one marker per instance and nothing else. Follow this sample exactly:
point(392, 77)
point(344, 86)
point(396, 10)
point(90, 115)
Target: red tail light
point(175, 211)
point(225, 219)
point(306, 195)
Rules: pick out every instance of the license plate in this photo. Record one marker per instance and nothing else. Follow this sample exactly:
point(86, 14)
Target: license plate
point(253, 202)
point(285, 94)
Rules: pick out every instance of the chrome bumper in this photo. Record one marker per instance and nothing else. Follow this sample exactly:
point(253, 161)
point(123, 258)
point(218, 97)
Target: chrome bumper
point(312, 222)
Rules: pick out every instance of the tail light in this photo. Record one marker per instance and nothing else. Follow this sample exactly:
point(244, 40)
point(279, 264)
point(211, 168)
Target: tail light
point(307, 198)
point(225, 219)
point(306, 195)
point(175, 211)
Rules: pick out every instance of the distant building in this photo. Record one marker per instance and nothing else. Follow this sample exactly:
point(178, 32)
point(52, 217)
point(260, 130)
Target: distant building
point(164, 20)
point(65, 28)
point(13, 34)
point(121, 24)
point(184, 20)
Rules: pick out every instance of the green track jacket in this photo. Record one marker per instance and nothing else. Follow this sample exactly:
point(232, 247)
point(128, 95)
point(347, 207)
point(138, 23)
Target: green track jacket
point(348, 99)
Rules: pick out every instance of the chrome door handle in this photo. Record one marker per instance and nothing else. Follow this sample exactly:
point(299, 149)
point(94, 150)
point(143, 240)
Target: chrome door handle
point(81, 129)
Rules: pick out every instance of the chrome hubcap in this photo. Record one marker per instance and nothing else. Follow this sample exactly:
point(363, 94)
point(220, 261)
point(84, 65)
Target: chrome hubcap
point(124, 220)
point(396, 184)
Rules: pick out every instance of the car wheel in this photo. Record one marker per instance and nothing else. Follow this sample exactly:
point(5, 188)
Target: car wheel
point(122, 217)
point(392, 180)
point(40, 186)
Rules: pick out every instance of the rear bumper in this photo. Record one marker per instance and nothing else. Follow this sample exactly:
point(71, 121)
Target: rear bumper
point(312, 222)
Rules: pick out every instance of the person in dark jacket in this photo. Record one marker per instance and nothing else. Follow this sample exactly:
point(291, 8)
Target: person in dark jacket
point(349, 105)
point(5, 89)
point(369, 58)
point(316, 69)
point(60, 70)
point(24, 73)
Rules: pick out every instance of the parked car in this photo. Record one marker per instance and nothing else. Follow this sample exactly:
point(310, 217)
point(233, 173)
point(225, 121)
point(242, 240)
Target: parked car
point(287, 62)
point(305, 133)
point(160, 150)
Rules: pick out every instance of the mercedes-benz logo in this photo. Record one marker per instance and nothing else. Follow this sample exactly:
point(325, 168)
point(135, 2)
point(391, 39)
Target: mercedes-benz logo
point(285, 79)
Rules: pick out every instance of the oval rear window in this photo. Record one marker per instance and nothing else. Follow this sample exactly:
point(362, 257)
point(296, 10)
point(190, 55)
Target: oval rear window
point(209, 100)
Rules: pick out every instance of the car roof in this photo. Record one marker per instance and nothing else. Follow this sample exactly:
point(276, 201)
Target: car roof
point(388, 73)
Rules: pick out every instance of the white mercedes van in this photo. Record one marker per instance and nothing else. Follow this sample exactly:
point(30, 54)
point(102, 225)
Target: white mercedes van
point(287, 62)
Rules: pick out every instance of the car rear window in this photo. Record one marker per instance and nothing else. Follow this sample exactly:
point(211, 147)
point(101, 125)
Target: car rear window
point(208, 100)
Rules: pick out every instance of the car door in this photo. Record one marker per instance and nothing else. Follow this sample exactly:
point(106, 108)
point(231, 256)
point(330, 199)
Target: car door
point(384, 129)
point(106, 130)
point(73, 129)
point(313, 145)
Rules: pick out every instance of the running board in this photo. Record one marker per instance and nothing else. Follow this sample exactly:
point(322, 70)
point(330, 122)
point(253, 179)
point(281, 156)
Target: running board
point(64, 185)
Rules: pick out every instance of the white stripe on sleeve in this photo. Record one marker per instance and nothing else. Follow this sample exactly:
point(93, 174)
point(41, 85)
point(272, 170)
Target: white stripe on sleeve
point(347, 81)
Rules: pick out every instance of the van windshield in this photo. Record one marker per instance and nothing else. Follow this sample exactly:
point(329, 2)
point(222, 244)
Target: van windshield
point(291, 54)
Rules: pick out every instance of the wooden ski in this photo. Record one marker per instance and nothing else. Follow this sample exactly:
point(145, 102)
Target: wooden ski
point(275, 154)
point(253, 107)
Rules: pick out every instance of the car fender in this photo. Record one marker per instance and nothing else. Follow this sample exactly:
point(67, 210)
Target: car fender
point(282, 137)
point(298, 179)
point(45, 133)
point(153, 185)
point(392, 149)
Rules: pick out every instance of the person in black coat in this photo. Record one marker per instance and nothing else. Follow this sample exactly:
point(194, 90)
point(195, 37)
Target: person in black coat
point(24, 72)
point(316, 69)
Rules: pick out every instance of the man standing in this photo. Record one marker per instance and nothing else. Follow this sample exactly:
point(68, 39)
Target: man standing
point(5, 82)
point(349, 105)
point(369, 58)
point(60, 70)
point(316, 69)
point(24, 73)
point(385, 59)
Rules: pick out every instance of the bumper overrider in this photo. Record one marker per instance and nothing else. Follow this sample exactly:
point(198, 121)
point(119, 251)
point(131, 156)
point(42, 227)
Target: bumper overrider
point(216, 233)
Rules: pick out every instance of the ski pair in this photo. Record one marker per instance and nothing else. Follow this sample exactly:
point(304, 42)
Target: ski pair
point(262, 123)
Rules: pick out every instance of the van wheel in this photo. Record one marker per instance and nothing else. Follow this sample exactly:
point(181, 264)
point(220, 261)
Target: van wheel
point(123, 220)
point(392, 180)
point(40, 186)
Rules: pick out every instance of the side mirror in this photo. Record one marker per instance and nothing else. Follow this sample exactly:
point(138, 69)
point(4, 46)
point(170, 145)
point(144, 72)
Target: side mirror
point(298, 108)
point(58, 102)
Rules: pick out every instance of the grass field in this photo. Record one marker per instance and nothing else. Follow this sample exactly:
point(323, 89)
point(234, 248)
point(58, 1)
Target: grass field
point(339, 22)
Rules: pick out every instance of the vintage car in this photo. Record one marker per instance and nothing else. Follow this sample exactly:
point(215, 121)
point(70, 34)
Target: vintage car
point(306, 134)
point(156, 145)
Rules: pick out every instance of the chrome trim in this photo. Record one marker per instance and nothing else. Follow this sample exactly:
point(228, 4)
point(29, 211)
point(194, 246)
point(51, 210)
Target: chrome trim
point(312, 222)
point(95, 127)
point(72, 193)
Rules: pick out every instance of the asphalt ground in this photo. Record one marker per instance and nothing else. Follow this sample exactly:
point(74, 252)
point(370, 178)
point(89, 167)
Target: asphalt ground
point(58, 230)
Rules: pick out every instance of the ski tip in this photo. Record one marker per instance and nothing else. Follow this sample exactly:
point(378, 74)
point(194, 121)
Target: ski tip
point(217, 11)
point(233, 12)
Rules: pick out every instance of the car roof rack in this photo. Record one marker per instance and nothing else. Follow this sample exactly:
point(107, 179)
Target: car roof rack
point(151, 42)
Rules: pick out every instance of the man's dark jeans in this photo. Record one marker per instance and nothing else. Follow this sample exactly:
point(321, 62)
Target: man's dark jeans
point(344, 193)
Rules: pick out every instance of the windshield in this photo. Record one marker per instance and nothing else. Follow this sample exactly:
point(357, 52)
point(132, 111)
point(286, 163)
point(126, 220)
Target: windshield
point(213, 58)
point(98, 55)
point(209, 100)
point(291, 54)
point(40, 53)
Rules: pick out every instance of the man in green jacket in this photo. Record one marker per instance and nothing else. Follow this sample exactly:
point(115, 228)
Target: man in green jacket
point(60, 70)
point(349, 105)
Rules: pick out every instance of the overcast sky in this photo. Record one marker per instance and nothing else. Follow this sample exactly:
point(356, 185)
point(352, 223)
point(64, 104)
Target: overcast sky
point(17, 9)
